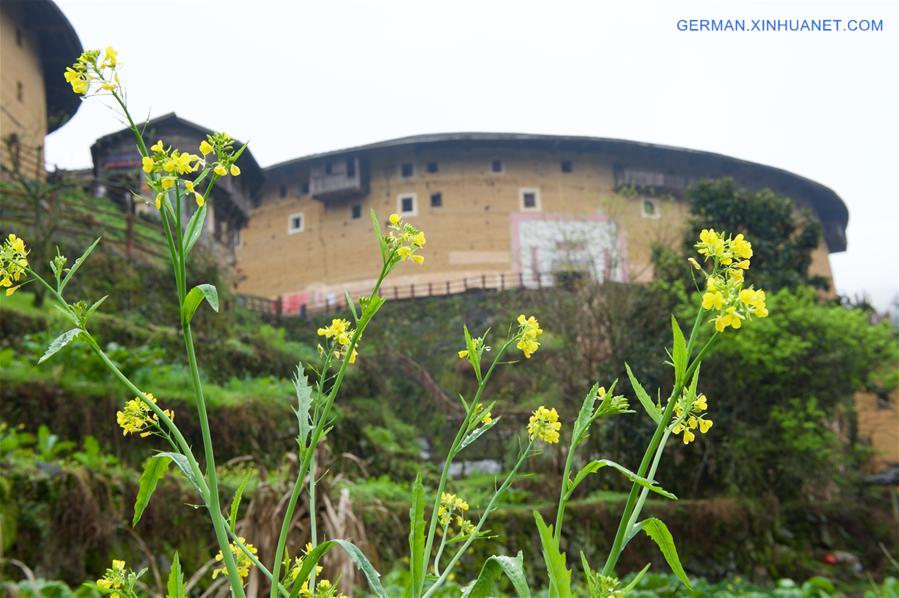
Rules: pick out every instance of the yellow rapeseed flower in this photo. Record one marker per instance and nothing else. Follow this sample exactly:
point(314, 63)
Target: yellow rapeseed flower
point(235, 170)
point(13, 263)
point(528, 331)
point(137, 417)
point(544, 425)
point(157, 147)
point(148, 164)
point(241, 559)
point(220, 170)
point(712, 300)
point(205, 148)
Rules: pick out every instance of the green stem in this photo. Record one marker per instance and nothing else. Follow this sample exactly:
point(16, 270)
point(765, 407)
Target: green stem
point(563, 492)
point(618, 543)
point(651, 477)
point(317, 432)
point(441, 547)
point(213, 504)
point(474, 534)
point(256, 562)
point(312, 531)
point(460, 435)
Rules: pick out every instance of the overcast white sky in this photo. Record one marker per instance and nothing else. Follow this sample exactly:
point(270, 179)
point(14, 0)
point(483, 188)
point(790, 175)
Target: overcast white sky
point(301, 77)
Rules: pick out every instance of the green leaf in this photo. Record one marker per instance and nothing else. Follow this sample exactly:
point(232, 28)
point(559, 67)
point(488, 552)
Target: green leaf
point(235, 504)
point(475, 434)
point(376, 226)
point(362, 563)
point(679, 350)
point(194, 229)
point(658, 531)
point(635, 580)
point(58, 343)
point(417, 535)
point(90, 310)
point(584, 417)
point(493, 567)
point(175, 586)
point(195, 298)
point(304, 404)
point(181, 463)
point(154, 470)
point(77, 265)
point(643, 396)
point(595, 466)
point(559, 574)
point(352, 305)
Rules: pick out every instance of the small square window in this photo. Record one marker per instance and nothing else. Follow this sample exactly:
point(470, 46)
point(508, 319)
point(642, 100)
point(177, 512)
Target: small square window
point(496, 166)
point(304, 188)
point(649, 208)
point(530, 199)
point(295, 224)
point(329, 168)
point(433, 167)
point(356, 212)
point(407, 204)
point(407, 170)
point(350, 168)
point(436, 200)
point(565, 166)
point(282, 190)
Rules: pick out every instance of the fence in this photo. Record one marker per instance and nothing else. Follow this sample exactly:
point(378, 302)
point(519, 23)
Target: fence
point(84, 220)
point(286, 306)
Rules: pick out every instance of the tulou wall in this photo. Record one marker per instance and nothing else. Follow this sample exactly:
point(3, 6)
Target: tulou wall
point(509, 214)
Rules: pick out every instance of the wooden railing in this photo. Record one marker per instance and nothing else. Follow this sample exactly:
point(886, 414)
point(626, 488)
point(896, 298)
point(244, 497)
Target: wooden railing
point(498, 282)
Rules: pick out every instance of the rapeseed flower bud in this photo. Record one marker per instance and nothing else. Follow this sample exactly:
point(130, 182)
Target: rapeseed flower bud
point(241, 560)
point(544, 425)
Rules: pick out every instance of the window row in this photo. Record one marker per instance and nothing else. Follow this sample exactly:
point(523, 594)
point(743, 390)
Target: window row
point(407, 171)
point(407, 205)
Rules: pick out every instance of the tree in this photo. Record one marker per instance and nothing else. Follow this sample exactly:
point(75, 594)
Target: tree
point(783, 237)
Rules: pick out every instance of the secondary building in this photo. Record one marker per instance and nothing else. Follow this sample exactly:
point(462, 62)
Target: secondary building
point(118, 175)
point(499, 210)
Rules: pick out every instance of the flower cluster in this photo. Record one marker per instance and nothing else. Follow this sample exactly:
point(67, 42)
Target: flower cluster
point(544, 425)
point(404, 240)
point(118, 581)
point(323, 588)
point(528, 331)
point(90, 69)
point(340, 334)
point(13, 261)
point(165, 165)
point(138, 418)
point(724, 291)
point(690, 417)
point(241, 559)
point(450, 503)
